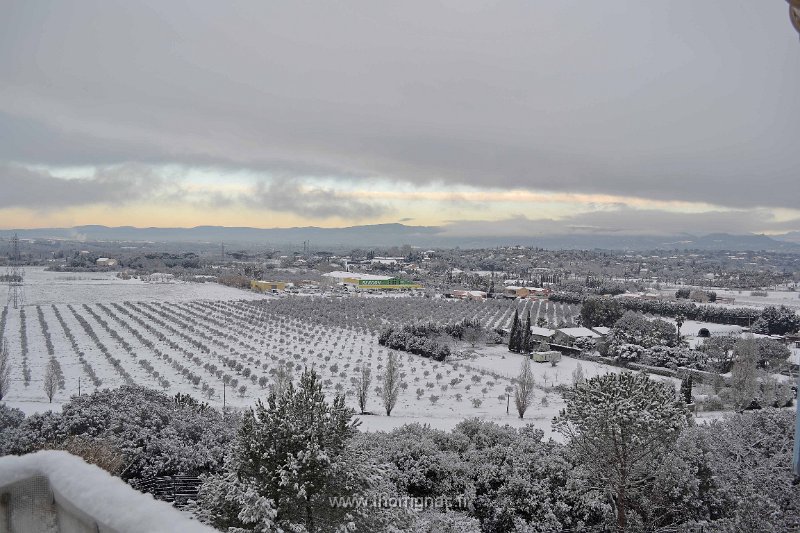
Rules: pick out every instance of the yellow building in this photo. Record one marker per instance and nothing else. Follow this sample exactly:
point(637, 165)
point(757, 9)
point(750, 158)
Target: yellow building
point(268, 286)
point(516, 292)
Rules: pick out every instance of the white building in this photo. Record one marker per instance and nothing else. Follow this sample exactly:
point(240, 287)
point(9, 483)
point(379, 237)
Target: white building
point(106, 261)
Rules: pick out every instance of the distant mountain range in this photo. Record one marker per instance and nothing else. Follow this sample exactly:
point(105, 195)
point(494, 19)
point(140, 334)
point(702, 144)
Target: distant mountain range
point(386, 235)
point(792, 236)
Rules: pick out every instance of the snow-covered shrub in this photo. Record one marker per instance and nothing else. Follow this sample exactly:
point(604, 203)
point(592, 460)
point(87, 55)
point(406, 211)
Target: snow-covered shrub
point(10, 418)
point(673, 357)
point(626, 352)
point(157, 436)
point(584, 344)
point(635, 328)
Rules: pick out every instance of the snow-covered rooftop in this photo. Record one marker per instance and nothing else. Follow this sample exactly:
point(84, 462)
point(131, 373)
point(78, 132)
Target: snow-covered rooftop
point(542, 332)
point(579, 332)
point(339, 274)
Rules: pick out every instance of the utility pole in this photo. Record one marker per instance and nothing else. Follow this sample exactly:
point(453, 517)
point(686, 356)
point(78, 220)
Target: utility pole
point(79, 385)
point(15, 274)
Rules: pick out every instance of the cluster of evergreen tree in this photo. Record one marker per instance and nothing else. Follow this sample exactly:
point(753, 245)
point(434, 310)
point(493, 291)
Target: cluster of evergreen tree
point(520, 339)
point(741, 316)
point(419, 339)
point(631, 462)
point(153, 434)
point(428, 339)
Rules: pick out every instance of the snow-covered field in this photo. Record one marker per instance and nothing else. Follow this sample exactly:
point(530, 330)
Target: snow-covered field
point(223, 345)
point(744, 298)
point(195, 346)
point(44, 288)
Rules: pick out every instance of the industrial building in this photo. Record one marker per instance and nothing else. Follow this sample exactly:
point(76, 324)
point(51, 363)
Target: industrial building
point(387, 284)
point(358, 280)
point(514, 291)
point(268, 286)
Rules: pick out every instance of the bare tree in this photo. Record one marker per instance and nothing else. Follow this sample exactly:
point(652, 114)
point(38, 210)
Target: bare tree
point(391, 383)
point(50, 382)
point(523, 392)
point(281, 380)
point(363, 382)
point(473, 335)
point(578, 377)
point(5, 369)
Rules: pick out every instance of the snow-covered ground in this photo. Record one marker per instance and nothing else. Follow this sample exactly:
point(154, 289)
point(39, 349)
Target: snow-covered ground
point(691, 328)
point(744, 298)
point(42, 287)
point(194, 345)
point(224, 345)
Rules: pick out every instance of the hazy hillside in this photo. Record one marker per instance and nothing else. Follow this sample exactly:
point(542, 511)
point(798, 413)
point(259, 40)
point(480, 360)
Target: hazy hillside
point(399, 234)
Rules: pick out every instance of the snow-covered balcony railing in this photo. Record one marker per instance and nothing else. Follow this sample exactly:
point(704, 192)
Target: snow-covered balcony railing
point(55, 492)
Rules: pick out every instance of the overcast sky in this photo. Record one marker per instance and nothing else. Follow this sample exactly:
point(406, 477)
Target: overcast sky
point(538, 116)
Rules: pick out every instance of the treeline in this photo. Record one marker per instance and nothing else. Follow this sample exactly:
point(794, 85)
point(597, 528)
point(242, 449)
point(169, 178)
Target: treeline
point(686, 294)
point(595, 286)
point(148, 262)
point(430, 339)
point(740, 316)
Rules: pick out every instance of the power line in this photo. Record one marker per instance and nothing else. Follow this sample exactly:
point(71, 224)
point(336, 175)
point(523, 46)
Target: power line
point(15, 275)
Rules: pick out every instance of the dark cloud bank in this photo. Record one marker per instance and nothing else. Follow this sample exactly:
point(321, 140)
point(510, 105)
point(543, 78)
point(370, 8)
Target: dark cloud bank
point(670, 101)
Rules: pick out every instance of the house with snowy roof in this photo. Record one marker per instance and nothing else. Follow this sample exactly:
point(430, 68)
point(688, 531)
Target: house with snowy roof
point(568, 336)
point(542, 334)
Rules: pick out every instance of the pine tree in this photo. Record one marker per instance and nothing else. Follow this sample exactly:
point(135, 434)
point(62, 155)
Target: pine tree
point(513, 345)
point(619, 424)
point(290, 458)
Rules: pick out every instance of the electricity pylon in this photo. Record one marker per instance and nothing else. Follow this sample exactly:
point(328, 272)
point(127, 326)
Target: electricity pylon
point(14, 275)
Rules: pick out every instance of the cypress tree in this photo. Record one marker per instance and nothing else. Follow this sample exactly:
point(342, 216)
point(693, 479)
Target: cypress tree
point(686, 389)
point(513, 342)
point(526, 336)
